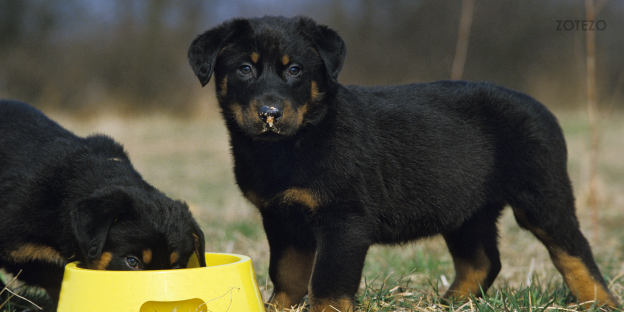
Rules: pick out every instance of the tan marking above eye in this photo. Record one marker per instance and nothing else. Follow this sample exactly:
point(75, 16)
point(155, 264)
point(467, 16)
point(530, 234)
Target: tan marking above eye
point(285, 59)
point(255, 199)
point(255, 57)
point(147, 256)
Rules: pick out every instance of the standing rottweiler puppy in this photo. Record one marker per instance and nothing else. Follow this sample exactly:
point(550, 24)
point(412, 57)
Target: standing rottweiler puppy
point(64, 198)
point(334, 169)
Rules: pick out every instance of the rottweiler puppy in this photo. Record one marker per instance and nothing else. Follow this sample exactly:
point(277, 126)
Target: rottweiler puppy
point(334, 169)
point(65, 198)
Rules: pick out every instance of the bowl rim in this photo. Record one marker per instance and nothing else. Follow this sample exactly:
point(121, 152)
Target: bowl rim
point(73, 266)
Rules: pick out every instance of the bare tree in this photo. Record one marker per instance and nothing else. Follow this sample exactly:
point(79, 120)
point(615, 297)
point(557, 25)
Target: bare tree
point(592, 112)
point(462, 39)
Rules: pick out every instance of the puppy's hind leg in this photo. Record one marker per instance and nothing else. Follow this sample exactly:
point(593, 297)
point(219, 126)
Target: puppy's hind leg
point(473, 247)
point(556, 226)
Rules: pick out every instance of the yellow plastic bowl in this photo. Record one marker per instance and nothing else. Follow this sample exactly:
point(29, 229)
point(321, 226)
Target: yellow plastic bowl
point(227, 283)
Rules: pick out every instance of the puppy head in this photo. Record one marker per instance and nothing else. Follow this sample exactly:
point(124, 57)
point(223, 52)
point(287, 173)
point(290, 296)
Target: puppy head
point(273, 75)
point(132, 229)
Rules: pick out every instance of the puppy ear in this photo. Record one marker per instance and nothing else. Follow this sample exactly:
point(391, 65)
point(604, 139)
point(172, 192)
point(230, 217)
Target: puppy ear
point(206, 47)
point(200, 245)
point(91, 218)
point(330, 45)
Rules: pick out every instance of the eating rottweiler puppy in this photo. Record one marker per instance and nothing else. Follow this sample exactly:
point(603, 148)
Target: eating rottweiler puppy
point(64, 198)
point(334, 169)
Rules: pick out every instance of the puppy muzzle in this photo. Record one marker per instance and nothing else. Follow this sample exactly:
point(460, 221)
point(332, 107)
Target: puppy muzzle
point(269, 114)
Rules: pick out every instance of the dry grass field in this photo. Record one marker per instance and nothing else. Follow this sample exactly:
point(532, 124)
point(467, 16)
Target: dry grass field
point(190, 160)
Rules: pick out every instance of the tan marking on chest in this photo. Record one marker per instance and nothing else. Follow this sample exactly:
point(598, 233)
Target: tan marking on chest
point(255, 199)
point(301, 196)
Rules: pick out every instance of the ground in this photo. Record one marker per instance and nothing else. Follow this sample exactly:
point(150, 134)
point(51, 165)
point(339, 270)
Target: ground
point(190, 160)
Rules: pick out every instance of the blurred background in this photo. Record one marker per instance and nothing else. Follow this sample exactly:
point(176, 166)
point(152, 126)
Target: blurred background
point(119, 67)
point(130, 55)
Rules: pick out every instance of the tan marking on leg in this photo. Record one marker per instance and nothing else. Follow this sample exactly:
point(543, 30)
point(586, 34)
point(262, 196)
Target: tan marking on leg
point(575, 273)
point(301, 196)
point(281, 301)
point(285, 59)
point(174, 257)
point(469, 278)
point(255, 57)
point(580, 281)
point(293, 277)
point(102, 262)
point(331, 305)
point(147, 256)
point(30, 252)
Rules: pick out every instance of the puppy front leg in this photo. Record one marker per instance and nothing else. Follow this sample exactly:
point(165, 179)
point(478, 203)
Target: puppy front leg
point(290, 269)
point(337, 269)
point(292, 248)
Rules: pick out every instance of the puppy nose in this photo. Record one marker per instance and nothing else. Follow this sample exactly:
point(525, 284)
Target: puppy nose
point(269, 114)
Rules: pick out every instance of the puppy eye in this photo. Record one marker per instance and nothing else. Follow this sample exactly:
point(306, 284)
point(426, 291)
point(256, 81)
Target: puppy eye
point(177, 266)
point(133, 262)
point(294, 70)
point(245, 69)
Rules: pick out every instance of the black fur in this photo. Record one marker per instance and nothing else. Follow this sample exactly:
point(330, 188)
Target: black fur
point(334, 169)
point(64, 198)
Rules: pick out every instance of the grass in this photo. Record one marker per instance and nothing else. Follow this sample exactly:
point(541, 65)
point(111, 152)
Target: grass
point(190, 160)
point(22, 298)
